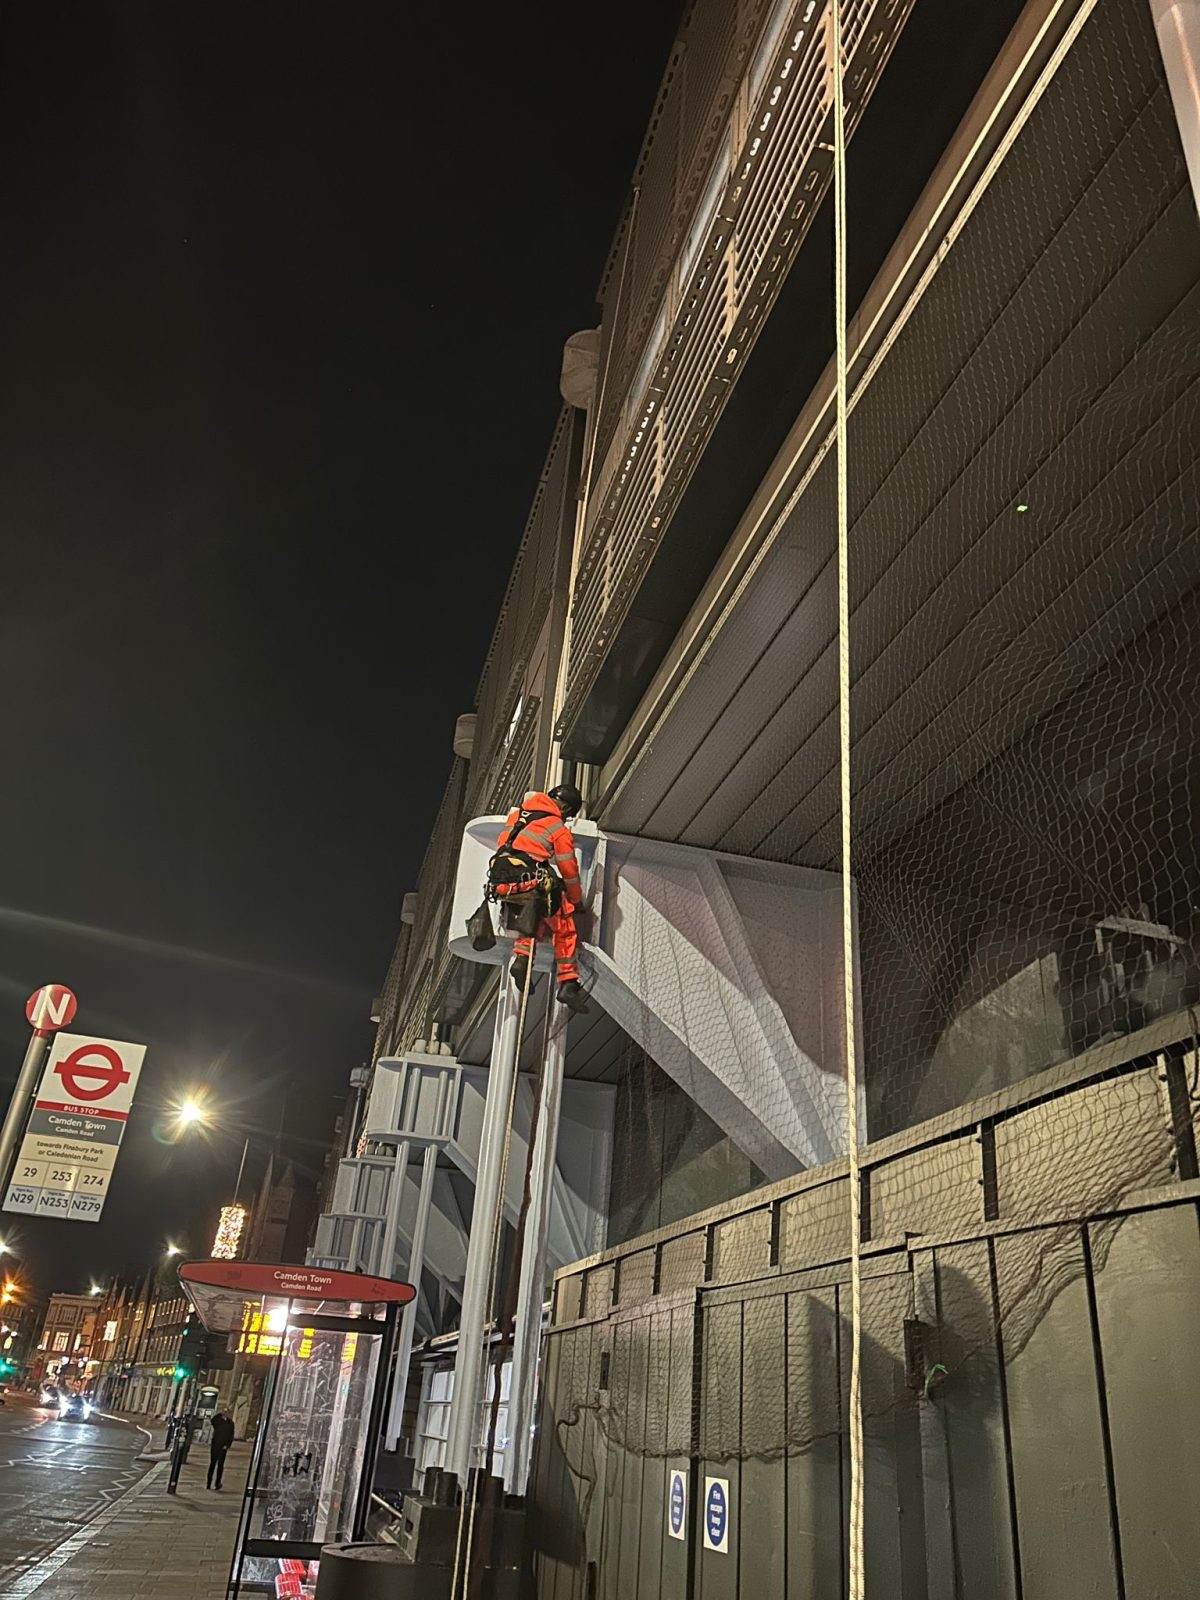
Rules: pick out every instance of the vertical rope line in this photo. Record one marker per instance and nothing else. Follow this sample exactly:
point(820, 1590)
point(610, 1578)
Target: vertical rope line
point(854, 1398)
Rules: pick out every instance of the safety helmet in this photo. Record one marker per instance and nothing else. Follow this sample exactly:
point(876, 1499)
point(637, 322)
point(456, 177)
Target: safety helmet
point(567, 798)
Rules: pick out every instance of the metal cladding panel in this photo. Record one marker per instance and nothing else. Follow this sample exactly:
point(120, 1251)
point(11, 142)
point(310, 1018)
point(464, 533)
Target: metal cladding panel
point(681, 1263)
point(720, 1445)
point(652, 1512)
point(816, 1441)
point(1050, 359)
point(612, 1419)
point(568, 1298)
point(598, 1291)
point(741, 1247)
point(635, 1280)
point(680, 1443)
point(936, 1190)
point(814, 1226)
point(1054, 1160)
point(554, 1532)
point(1021, 1392)
point(633, 1479)
point(968, 1509)
point(594, 1448)
point(1055, 1421)
point(763, 1510)
point(892, 1512)
point(576, 1467)
point(1147, 1270)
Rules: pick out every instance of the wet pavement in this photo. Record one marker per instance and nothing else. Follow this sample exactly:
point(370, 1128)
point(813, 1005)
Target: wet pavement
point(55, 1477)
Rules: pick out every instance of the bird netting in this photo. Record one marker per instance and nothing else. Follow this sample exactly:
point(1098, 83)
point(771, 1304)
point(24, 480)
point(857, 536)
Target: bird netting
point(909, 1369)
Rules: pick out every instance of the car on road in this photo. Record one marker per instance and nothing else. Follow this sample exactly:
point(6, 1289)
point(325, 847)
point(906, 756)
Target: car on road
point(74, 1408)
point(48, 1395)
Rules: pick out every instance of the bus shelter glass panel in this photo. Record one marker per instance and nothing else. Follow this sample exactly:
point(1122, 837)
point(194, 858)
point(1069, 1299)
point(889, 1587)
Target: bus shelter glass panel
point(314, 1448)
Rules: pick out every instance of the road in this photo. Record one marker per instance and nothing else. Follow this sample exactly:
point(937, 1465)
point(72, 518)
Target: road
point(55, 1476)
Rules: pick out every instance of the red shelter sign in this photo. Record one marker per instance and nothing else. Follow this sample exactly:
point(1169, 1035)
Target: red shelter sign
point(219, 1289)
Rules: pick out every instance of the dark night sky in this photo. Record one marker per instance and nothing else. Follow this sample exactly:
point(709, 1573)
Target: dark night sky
point(283, 290)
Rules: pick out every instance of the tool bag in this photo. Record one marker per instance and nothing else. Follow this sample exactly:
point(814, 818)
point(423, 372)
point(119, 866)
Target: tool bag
point(479, 928)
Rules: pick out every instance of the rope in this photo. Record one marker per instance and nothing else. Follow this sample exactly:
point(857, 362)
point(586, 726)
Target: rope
point(854, 1396)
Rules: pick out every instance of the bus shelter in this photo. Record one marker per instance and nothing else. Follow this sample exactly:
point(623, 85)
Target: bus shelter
point(330, 1338)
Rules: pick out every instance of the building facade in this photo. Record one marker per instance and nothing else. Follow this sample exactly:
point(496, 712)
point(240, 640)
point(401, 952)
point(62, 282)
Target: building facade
point(67, 1340)
point(936, 713)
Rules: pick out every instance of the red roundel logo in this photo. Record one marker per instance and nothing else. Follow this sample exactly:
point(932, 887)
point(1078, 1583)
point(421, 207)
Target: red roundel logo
point(91, 1072)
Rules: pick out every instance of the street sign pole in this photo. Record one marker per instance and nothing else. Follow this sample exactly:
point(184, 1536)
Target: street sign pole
point(49, 1008)
point(18, 1106)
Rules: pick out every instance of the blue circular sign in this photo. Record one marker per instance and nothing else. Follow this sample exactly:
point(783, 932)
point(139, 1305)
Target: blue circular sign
point(678, 1503)
point(716, 1512)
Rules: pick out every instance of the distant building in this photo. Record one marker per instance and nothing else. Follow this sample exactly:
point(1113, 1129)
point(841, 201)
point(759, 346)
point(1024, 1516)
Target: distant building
point(19, 1335)
point(65, 1346)
point(281, 1216)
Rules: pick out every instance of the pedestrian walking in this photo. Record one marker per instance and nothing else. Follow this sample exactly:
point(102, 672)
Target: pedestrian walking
point(222, 1438)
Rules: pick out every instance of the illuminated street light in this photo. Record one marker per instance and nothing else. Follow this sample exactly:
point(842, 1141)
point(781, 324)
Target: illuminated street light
point(174, 1250)
point(95, 1289)
point(190, 1112)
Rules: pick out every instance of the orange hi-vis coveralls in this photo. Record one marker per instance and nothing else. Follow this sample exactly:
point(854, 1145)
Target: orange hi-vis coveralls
point(546, 837)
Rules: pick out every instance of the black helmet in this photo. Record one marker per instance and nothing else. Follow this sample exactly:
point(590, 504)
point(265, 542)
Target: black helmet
point(567, 798)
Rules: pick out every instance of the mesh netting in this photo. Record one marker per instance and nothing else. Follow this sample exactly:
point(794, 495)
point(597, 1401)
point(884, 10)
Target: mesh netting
point(986, 1360)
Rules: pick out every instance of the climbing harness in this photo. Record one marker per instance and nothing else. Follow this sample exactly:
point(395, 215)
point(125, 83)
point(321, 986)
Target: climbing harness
point(526, 889)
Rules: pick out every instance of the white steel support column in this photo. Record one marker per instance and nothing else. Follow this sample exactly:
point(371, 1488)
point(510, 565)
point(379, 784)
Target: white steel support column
point(464, 1407)
point(386, 1265)
point(527, 1336)
point(408, 1321)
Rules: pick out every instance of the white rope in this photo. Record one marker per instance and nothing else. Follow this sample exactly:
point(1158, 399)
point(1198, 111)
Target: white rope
point(854, 1396)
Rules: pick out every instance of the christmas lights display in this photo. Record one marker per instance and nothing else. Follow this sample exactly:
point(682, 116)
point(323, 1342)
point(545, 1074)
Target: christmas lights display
point(229, 1233)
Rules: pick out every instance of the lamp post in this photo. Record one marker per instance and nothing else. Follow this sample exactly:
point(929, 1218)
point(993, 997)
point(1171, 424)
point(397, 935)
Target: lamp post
point(193, 1113)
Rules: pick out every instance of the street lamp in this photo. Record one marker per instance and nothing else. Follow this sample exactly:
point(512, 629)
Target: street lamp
point(191, 1112)
point(173, 1250)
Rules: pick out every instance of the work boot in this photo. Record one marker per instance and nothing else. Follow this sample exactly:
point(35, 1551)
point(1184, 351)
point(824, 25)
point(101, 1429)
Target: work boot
point(571, 994)
point(519, 972)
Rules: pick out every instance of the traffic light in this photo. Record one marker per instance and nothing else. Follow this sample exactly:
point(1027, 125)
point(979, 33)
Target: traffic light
point(201, 1351)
